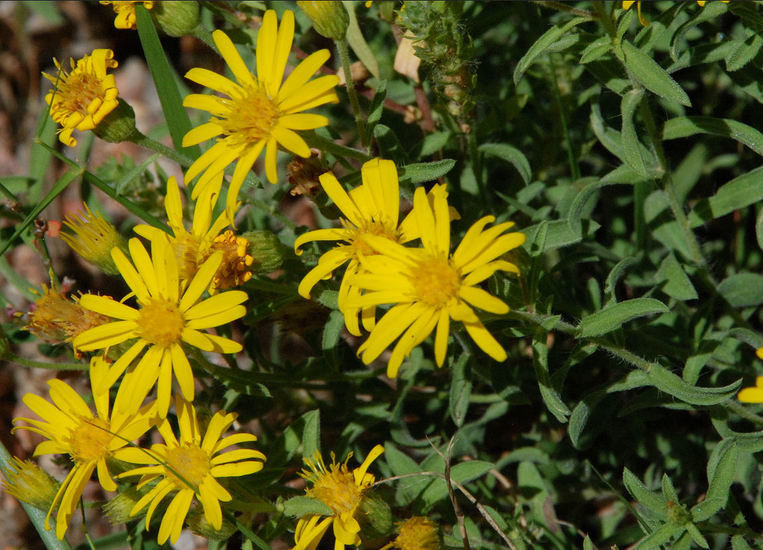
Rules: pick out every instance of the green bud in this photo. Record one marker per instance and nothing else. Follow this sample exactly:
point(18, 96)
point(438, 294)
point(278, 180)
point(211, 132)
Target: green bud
point(176, 18)
point(118, 508)
point(266, 250)
point(375, 518)
point(118, 125)
point(329, 18)
point(198, 523)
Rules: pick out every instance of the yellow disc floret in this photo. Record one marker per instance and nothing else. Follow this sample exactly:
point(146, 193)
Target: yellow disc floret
point(435, 281)
point(188, 464)
point(161, 322)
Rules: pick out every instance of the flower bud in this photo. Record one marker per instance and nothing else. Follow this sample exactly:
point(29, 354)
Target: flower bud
point(118, 125)
point(375, 518)
point(268, 252)
point(118, 508)
point(329, 18)
point(92, 237)
point(176, 18)
point(199, 524)
point(30, 484)
point(416, 533)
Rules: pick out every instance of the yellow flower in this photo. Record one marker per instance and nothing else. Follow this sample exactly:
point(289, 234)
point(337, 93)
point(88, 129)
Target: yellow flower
point(753, 394)
point(83, 97)
point(429, 286)
point(628, 3)
point(416, 533)
point(165, 319)
point(125, 10)
point(260, 112)
point(56, 318)
point(372, 208)
point(190, 465)
point(342, 491)
point(92, 237)
point(192, 248)
point(70, 427)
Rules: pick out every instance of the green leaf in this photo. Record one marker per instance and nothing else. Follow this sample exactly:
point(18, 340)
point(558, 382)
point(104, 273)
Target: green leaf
point(550, 41)
point(742, 289)
point(685, 126)
point(299, 506)
point(696, 536)
point(163, 75)
point(462, 473)
point(550, 395)
point(653, 77)
point(332, 330)
point(460, 390)
point(377, 105)
point(389, 145)
point(311, 434)
point(421, 172)
point(358, 43)
point(735, 194)
point(744, 53)
point(631, 146)
point(677, 284)
point(512, 155)
point(659, 537)
point(668, 489)
point(721, 471)
point(556, 234)
point(650, 500)
point(612, 317)
point(738, 543)
point(759, 228)
point(676, 386)
point(580, 415)
point(599, 47)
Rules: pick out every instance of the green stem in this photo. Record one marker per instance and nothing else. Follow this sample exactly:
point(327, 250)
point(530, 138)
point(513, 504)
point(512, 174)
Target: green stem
point(563, 119)
point(153, 145)
point(605, 19)
point(12, 358)
point(344, 55)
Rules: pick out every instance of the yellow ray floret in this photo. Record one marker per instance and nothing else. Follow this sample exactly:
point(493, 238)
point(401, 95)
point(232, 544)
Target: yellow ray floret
point(191, 465)
point(70, 427)
point(260, 111)
point(165, 319)
point(428, 286)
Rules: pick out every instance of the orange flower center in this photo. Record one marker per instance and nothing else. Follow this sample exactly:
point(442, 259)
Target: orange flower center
point(435, 281)
point(90, 441)
point(336, 488)
point(252, 117)
point(188, 464)
point(380, 229)
point(161, 323)
point(77, 90)
point(234, 270)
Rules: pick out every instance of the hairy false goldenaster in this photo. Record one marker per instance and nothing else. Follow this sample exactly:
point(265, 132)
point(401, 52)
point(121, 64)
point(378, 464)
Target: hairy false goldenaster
point(372, 208)
point(190, 465)
point(70, 427)
point(260, 112)
point(753, 394)
point(165, 319)
point(192, 248)
point(429, 286)
point(342, 491)
point(81, 98)
point(125, 10)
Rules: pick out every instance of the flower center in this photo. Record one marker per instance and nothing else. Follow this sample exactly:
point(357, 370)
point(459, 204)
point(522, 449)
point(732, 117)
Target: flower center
point(77, 90)
point(336, 488)
point(90, 441)
point(252, 116)
point(188, 464)
point(161, 322)
point(378, 228)
point(234, 269)
point(435, 281)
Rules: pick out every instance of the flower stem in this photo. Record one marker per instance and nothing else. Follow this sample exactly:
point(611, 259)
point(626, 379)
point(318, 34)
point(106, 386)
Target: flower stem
point(12, 358)
point(148, 143)
point(344, 55)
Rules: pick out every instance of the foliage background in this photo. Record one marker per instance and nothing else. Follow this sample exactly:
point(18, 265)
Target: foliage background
point(628, 155)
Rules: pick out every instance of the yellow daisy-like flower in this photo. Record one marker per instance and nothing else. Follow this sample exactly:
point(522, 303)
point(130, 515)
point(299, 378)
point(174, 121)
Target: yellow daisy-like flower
point(753, 394)
point(260, 112)
point(83, 97)
point(429, 286)
point(70, 427)
point(125, 10)
point(416, 533)
point(165, 319)
point(342, 491)
point(192, 248)
point(372, 208)
point(190, 465)
point(626, 4)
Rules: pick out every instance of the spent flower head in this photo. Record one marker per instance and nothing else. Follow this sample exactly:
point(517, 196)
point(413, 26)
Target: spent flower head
point(70, 427)
point(259, 112)
point(93, 238)
point(190, 466)
point(416, 533)
point(29, 483)
point(82, 97)
point(342, 491)
point(429, 286)
point(57, 318)
point(165, 319)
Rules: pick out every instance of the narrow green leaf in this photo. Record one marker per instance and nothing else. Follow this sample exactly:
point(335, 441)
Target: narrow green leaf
point(696, 536)
point(550, 395)
point(332, 330)
point(358, 43)
point(617, 273)
point(377, 105)
point(735, 194)
point(311, 434)
point(512, 155)
point(738, 543)
point(389, 145)
point(677, 284)
point(587, 544)
point(299, 506)
point(759, 228)
point(676, 386)
point(460, 390)
point(659, 537)
point(614, 316)
point(653, 77)
point(557, 234)
point(162, 73)
point(596, 49)
point(668, 489)
point(743, 289)
point(650, 500)
point(550, 41)
point(421, 172)
point(721, 470)
point(686, 126)
point(462, 472)
point(580, 415)
point(630, 142)
point(744, 53)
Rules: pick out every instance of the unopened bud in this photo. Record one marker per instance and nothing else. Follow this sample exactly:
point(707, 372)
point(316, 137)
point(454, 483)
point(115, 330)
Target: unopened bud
point(329, 18)
point(199, 524)
point(266, 250)
point(118, 125)
point(176, 18)
point(375, 518)
point(31, 484)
